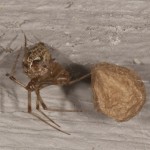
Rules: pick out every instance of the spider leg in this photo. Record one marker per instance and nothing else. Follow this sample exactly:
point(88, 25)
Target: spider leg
point(38, 101)
point(79, 79)
point(70, 83)
point(13, 70)
point(16, 81)
point(29, 102)
point(50, 109)
point(49, 118)
point(12, 77)
point(49, 123)
point(63, 110)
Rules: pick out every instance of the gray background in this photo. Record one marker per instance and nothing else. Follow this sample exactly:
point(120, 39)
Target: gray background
point(84, 32)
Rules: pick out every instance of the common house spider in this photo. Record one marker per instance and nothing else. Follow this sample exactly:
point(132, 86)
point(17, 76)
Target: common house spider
point(43, 71)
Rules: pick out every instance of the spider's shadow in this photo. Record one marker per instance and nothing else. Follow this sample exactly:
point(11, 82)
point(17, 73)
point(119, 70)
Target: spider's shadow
point(76, 71)
point(79, 93)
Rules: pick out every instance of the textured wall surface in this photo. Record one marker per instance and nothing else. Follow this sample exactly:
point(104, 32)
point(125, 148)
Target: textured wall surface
point(84, 32)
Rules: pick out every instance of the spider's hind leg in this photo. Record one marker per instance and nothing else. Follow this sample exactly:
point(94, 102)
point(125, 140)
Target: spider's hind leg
point(40, 101)
point(79, 79)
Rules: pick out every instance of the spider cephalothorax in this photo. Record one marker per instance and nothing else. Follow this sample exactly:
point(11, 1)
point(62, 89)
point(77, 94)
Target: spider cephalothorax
point(42, 68)
point(36, 60)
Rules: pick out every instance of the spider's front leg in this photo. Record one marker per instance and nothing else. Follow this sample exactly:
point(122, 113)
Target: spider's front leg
point(11, 77)
point(33, 86)
point(26, 87)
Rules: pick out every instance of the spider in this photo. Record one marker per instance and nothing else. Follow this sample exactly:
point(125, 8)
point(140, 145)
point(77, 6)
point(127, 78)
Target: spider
point(43, 71)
